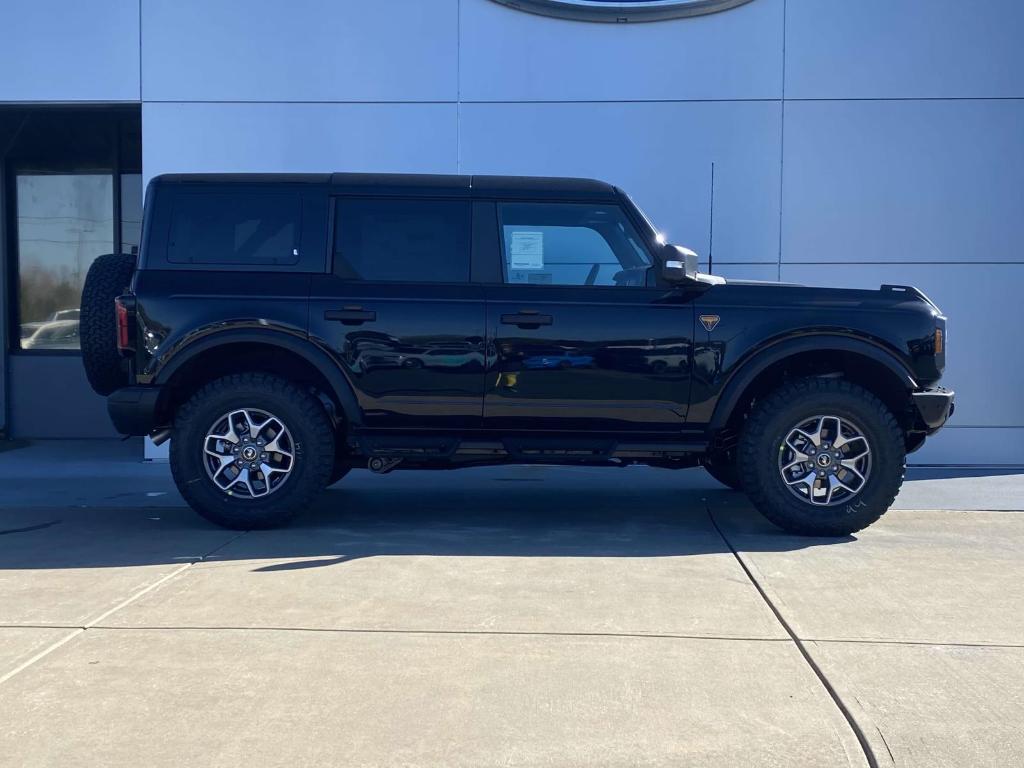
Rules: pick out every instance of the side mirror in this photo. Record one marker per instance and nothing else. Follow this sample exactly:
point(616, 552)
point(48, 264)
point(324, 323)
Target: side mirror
point(680, 264)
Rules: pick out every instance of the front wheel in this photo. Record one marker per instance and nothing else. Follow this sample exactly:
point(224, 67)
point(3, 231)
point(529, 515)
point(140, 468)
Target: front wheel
point(251, 450)
point(822, 457)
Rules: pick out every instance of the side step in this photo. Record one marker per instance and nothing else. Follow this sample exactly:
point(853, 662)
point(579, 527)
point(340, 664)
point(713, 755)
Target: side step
point(416, 449)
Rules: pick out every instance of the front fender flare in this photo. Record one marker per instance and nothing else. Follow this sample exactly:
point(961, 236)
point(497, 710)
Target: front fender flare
point(780, 350)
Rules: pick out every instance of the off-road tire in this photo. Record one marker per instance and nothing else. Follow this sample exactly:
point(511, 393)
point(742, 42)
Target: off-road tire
point(722, 467)
point(108, 277)
point(769, 423)
point(305, 419)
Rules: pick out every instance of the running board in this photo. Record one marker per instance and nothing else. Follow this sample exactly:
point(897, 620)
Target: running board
point(518, 449)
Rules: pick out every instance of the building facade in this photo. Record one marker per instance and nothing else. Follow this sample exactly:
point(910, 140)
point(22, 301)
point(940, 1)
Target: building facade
point(839, 142)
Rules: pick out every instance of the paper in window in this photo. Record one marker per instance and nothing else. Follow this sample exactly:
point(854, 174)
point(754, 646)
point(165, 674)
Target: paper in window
point(526, 251)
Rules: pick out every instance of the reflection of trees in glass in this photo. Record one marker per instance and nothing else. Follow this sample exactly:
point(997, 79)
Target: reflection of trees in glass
point(48, 290)
point(64, 222)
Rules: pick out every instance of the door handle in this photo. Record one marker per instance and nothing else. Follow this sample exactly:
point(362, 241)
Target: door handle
point(527, 319)
point(350, 315)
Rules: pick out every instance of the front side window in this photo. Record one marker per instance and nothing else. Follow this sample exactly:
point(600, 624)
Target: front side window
point(571, 244)
point(228, 227)
point(414, 241)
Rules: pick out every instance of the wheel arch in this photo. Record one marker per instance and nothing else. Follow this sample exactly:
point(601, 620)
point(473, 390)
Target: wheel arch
point(269, 351)
point(858, 360)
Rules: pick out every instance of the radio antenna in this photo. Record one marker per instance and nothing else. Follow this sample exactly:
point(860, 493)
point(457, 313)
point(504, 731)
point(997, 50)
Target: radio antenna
point(711, 234)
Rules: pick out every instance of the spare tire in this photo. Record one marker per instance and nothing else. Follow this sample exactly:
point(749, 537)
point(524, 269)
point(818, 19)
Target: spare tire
point(107, 279)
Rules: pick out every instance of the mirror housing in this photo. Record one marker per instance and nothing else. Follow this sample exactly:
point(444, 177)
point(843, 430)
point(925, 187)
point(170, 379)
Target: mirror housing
point(680, 264)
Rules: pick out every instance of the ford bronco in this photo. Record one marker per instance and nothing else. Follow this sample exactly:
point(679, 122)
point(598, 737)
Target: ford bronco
point(281, 330)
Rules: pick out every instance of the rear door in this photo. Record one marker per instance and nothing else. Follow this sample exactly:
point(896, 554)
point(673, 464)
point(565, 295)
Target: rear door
point(399, 314)
point(583, 340)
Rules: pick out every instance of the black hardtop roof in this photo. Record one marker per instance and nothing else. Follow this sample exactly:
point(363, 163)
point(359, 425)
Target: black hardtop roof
point(418, 184)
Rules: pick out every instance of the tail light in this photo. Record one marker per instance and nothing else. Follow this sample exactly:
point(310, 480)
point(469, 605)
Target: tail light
point(940, 344)
point(124, 306)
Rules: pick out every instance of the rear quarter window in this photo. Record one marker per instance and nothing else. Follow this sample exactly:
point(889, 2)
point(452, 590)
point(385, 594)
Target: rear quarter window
point(235, 227)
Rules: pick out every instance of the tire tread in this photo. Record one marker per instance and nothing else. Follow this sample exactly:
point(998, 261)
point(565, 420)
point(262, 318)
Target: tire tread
point(107, 279)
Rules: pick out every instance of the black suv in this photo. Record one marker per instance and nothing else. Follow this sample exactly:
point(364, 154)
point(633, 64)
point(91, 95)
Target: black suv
point(282, 330)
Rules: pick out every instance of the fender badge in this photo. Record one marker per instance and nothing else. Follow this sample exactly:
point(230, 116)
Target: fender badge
point(709, 321)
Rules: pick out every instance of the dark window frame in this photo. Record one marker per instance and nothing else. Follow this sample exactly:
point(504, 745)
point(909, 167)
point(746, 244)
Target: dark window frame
point(119, 122)
point(332, 235)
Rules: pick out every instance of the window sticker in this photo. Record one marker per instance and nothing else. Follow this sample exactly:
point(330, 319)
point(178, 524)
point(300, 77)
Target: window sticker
point(526, 251)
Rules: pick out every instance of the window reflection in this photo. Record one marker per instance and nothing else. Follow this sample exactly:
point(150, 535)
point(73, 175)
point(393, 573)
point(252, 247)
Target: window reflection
point(131, 212)
point(64, 221)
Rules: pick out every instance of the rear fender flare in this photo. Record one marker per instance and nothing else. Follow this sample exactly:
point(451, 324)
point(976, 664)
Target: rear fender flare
point(310, 352)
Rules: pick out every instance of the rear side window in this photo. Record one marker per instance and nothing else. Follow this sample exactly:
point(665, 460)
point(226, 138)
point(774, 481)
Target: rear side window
point(415, 241)
point(228, 227)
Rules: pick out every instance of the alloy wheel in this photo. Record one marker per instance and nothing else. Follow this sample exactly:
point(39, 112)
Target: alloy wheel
point(248, 453)
point(825, 460)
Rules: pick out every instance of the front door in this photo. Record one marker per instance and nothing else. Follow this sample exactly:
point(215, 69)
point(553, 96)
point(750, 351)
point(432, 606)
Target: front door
point(399, 314)
point(581, 340)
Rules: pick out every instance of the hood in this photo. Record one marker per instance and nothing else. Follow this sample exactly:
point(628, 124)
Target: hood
point(886, 295)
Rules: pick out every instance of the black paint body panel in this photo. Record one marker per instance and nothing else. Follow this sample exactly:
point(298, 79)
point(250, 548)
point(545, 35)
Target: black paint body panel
point(613, 359)
point(419, 363)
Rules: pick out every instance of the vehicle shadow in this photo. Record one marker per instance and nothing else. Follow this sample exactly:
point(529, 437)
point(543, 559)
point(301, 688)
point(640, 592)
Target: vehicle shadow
point(582, 516)
point(519, 518)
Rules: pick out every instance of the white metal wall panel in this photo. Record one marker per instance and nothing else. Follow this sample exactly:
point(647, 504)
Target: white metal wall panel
point(890, 181)
point(660, 153)
point(312, 138)
point(302, 50)
point(763, 272)
point(55, 50)
point(508, 55)
point(988, 446)
point(857, 49)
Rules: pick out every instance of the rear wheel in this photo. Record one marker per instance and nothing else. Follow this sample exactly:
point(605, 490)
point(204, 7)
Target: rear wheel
point(251, 450)
point(822, 457)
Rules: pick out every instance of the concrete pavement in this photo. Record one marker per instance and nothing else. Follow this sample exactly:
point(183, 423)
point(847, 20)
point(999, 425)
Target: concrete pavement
point(508, 616)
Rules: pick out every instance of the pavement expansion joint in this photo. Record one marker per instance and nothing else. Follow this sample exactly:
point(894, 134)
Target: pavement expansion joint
point(865, 746)
point(457, 632)
point(76, 631)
